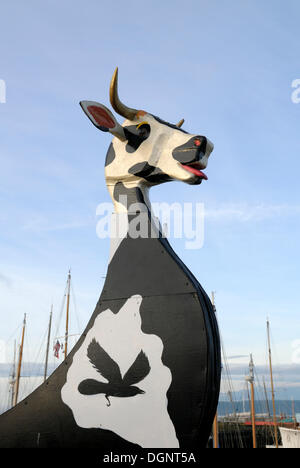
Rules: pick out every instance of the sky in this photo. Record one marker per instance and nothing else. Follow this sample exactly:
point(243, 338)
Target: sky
point(225, 67)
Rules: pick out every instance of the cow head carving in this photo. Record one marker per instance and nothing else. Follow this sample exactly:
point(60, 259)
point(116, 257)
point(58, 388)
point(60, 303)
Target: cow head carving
point(145, 149)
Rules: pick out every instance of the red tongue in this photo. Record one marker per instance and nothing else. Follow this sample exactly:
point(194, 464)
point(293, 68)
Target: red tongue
point(195, 171)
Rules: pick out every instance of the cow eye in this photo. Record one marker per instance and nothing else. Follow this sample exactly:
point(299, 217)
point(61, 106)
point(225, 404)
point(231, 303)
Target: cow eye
point(144, 130)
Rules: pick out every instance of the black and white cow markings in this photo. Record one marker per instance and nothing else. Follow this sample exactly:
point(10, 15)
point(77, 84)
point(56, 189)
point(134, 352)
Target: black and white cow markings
point(110, 156)
point(152, 174)
point(128, 197)
point(146, 370)
point(136, 135)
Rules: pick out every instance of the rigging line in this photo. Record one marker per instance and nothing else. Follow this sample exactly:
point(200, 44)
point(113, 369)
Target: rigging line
point(258, 390)
point(39, 349)
point(266, 399)
point(17, 329)
point(230, 386)
point(232, 421)
point(58, 322)
point(258, 400)
point(227, 371)
point(34, 378)
point(32, 369)
point(75, 308)
point(26, 368)
point(268, 379)
point(267, 430)
point(231, 390)
point(5, 397)
point(12, 375)
point(270, 428)
point(280, 374)
point(14, 332)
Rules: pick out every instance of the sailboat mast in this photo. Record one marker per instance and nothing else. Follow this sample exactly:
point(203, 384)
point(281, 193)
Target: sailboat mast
point(293, 413)
point(272, 385)
point(48, 344)
point(250, 379)
point(249, 398)
point(13, 376)
point(215, 423)
point(67, 313)
point(16, 393)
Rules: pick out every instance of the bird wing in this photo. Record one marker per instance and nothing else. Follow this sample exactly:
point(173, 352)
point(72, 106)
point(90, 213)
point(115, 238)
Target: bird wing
point(138, 371)
point(103, 363)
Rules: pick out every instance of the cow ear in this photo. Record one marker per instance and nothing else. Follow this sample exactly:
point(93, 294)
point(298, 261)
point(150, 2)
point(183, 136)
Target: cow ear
point(102, 118)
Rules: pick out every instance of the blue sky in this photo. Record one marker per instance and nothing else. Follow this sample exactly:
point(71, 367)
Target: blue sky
point(227, 68)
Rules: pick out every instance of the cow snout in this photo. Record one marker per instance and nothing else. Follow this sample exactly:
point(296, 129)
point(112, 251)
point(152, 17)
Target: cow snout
point(195, 149)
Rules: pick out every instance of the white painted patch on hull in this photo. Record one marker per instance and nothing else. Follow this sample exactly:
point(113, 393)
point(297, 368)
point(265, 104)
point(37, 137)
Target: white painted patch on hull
point(142, 419)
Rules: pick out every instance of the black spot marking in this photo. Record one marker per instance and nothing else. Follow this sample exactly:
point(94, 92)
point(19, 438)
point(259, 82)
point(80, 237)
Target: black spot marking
point(138, 213)
point(168, 124)
point(189, 152)
point(150, 173)
point(110, 155)
point(126, 196)
point(159, 178)
point(136, 136)
point(142, 169)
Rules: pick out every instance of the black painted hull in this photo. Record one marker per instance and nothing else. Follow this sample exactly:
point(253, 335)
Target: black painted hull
point(174, 308)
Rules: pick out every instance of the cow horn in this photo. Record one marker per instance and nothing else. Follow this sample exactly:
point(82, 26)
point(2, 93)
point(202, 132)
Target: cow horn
point(118, 106)
point(180, 123)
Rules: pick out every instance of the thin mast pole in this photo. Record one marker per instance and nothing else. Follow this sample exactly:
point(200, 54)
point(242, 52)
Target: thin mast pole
point(48, 344)
point(16, 394)
point(252, 404)
point(272, 385)
point(13, 376)
point(67, 313)
point(253, 415)
point(215, 423)
point(250, 379)
point(293, 413)
point(249, 399)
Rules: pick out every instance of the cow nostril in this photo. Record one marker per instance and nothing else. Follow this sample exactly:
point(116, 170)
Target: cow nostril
point(197, 142)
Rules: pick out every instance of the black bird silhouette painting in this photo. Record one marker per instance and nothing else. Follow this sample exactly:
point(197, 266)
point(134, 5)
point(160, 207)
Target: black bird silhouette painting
point(117, 385)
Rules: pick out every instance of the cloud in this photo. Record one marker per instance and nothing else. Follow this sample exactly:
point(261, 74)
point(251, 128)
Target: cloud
point(250, 213)
point(286, 379)
point(286, 370)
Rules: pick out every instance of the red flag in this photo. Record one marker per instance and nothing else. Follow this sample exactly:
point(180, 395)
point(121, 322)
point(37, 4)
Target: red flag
point(56, 349)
